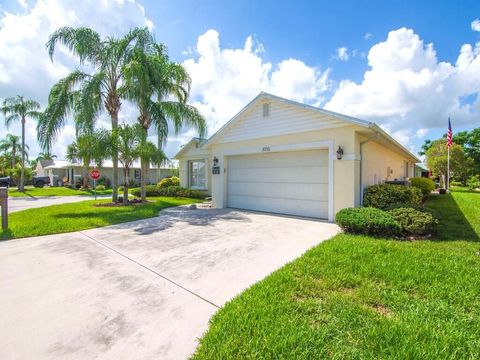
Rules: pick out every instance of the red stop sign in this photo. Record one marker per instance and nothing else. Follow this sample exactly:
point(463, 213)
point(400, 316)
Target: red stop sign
point(95, 174)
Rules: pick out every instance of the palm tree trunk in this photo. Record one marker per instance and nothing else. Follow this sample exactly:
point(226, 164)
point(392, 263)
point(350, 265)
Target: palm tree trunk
point(85, 176)
point(143, 180)
point(126, 185)
point(21, 186)
point(114, 119)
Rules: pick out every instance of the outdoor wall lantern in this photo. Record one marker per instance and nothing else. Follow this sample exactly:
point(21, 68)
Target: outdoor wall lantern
point(339, 153)
point(215, 161)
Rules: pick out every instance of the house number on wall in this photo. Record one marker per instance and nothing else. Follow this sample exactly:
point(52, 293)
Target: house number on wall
point(266, 148)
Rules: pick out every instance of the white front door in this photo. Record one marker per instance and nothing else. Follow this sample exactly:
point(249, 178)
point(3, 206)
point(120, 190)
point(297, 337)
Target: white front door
point(293, 182)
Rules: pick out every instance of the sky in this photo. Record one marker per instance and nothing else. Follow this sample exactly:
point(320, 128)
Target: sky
point(406, 65)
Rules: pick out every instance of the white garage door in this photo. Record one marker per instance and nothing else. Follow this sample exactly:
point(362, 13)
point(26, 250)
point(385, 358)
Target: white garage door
point(293, 183)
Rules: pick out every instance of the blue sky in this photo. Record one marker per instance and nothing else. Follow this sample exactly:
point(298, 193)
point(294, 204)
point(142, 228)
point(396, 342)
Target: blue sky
point(370, 59)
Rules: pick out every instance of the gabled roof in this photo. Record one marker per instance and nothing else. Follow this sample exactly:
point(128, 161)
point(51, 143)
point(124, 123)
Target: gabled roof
point(195, 140)
point(345, 118)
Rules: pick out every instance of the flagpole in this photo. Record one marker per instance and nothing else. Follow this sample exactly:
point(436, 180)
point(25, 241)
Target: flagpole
point(448, 168)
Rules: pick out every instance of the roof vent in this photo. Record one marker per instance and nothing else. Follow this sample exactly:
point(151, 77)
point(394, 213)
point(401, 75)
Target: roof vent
point(266, 109)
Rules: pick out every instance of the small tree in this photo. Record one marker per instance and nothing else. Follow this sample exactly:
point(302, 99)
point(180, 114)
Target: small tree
point(89, 147)
point(437, 161)
point(126, 142)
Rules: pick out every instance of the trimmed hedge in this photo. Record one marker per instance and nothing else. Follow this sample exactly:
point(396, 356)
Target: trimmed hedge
point(100, 187)
point(414, 222)
point(369, 221)
point(172, 191)
point(384, 195)
point(425, 185)
point(169, 181)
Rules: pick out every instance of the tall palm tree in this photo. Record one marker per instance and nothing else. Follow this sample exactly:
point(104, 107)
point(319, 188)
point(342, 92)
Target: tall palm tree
point(160, 89)
point(19, 109)
point(88, 148)
point(88, 94)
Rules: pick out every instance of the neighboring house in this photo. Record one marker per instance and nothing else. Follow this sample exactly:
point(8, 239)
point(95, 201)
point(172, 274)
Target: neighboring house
point(281, 156)
point(62, 171)
point(420, 171)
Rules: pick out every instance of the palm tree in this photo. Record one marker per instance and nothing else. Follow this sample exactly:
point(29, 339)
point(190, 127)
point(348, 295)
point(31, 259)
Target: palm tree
point(127, 142)
point(88, 94)
point(88, 148)
point(160, 89)
point(19, 109)
point(10, 146)
point(45, 156)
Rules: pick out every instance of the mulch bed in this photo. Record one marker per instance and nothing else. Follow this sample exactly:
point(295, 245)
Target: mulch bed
point(130, 203)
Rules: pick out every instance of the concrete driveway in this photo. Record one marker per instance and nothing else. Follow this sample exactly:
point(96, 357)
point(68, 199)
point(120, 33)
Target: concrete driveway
point(140, 290)
point(23, 203)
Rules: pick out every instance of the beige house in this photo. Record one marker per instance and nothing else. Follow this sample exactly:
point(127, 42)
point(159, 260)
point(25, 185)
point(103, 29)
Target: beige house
point(281, 156)
point(61, 171)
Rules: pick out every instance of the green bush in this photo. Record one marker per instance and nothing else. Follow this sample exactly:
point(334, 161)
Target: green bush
point(172, 191)
point(369, 221)
point(425, 185)
point(472, 183)
point(416, 207)
point(169, 181)
point(414, 222)
point(120, 189)
point(100, 187)
point(384, 195)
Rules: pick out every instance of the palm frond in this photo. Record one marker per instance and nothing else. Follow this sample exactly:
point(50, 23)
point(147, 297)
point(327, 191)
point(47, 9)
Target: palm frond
point(83, 42)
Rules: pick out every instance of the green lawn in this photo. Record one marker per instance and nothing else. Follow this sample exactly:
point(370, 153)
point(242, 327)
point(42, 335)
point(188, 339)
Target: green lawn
point(53, 191)
point(356, 297)
point(82, 215)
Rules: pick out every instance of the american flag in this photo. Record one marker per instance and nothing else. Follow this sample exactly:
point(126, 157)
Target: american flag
point(449, 134)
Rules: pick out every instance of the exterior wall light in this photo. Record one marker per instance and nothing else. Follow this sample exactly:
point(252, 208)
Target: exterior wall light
point(339, 153)
point(215, 161)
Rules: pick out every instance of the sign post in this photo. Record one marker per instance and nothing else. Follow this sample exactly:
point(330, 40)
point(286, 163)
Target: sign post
point(4, 204)
point(95, 175)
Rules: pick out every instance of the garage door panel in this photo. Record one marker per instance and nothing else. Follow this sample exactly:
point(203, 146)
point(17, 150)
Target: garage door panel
point(273, 160)
point(284, 174)
point(281, 206)
point(315, 192)
point(293, 183)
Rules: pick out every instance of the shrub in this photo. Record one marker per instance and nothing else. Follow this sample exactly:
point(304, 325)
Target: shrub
point(150, 190)
point(104, 181)
point(172, 191)
point(414, 222)
point(368, 221)
point(416, 207)
point(120, 189)
point(384, 195)
point(425, 185)
point(472, 183)
point(169, 181)
point(100, 187)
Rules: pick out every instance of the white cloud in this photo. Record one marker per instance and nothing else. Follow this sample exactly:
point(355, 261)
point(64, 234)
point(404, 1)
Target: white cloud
point(342, 54)
point(367, 36)
point(224, 80)
point(408, 90)
point(25, 67)
point(475, 25)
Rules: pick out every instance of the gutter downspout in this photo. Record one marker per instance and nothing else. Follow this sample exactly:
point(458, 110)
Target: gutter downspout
point(377, 134)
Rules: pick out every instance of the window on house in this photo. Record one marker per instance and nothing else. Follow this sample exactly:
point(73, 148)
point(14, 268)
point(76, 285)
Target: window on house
point(197, 174)
point(406, 168)
point(266, 109)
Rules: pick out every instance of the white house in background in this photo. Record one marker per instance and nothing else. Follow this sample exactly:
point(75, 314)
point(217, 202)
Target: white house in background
point(281, 156)
point(63, 171)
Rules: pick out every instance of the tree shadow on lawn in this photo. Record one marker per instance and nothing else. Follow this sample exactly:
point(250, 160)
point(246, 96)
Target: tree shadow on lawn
point(453, 225)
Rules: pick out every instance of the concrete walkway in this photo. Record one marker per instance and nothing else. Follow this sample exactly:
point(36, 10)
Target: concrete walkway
point(139, 290)
point(23, 203)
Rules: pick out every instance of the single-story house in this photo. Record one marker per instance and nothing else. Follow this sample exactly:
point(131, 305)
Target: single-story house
point(63, 171)
point(282, 156)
